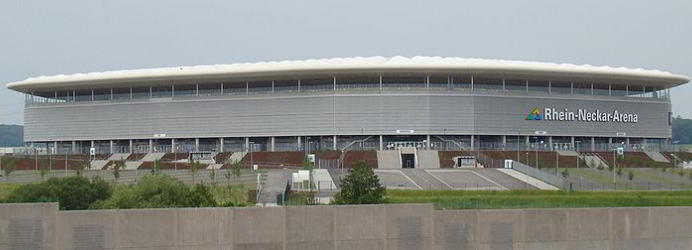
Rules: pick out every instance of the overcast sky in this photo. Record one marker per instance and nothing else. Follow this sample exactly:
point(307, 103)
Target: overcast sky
point(54, 37)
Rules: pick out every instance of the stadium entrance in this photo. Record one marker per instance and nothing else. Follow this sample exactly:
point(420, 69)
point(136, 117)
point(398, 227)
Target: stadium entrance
point(408, 160)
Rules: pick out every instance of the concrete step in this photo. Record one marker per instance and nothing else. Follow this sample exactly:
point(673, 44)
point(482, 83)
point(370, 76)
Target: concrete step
point(153, 156)
point(237, 156)
point(119, 156)
point(656, 156)
point(129, 165)
point(428, 159)
point(388, 159)
point(97, 164)
point(567, 153)
point(214, 166)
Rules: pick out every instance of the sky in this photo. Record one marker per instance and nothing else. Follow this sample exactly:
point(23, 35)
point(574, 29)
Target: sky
point(59, 37)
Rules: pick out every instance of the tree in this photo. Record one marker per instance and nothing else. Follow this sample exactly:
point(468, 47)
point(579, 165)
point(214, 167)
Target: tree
point(72, 193)
point(361, 186)
point(630, 175)
point(619, 171)
point(158, 191)
point(8, 166)
point(156, 168)
point(565, 173)
point(194, 167)
point(116, 169)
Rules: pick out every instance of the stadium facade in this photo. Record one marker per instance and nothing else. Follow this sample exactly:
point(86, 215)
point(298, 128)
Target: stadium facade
point(345, 103)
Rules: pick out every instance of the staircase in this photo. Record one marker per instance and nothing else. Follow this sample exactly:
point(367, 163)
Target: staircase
point(388, 159)
point(237, 157)
point(97, 164)
point(428, 159)
point(656, 156)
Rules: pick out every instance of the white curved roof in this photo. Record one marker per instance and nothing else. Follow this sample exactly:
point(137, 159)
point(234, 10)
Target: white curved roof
point(353, 65)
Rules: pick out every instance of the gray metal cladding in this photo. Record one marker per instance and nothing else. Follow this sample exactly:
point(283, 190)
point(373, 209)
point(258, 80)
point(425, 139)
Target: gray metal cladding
point(329, 114)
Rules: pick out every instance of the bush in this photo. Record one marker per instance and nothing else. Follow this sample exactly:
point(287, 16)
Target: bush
point(158, 191)
point(361, 186)
point(72, 193)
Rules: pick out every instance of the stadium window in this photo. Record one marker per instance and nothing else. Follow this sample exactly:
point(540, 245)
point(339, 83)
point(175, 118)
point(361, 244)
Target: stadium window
point(185, 90)
point(82, 95)
point(461, 82)
point(538, 86)
point(260, 86)
point(515, 85)
point(64, 96)
point(316, 84)
point(209, 89)
point(602, 89)
point(618, 90)
point(362, 82)
point(439, 81)
point(234, 88)
point(121, 93)
point(102, 94)
point(140, 92)
point(637, 91)
point(285, 85)
point(403, 82)
point(560, 87)
point(487, 83)
point(581, 88)
point(161, 91)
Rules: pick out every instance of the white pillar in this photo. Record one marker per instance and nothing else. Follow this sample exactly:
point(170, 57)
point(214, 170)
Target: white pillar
point(173, 145)
point(110, 144)
point(381, 143)
point(55, 147)
point(197, 144)
point(334, 142)
point(593, 144)
point(247, 144)
point(572, 142)
point(299, 143)
point(504, 142)
point(472, 142)
point(273, 141)
point(74, 147)
point(427, 142)
point(610, 142)
point(528, 142)
point(151, 145)
point(130, 148)
point(221, 144)
point(550, 143)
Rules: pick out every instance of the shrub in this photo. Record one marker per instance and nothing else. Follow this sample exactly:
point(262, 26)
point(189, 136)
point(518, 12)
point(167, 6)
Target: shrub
point(361, 186)
point(72, 193)
point(565, 173)
point(630, 175)
point(158, 191)
point(619, 171)
point(8, 166)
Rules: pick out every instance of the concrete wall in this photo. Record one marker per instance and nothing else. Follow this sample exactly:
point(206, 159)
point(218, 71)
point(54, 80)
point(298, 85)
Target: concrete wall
point(337, 114)
point(42, 226)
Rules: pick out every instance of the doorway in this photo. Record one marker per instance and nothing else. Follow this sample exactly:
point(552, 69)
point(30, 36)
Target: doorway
point(408, 161)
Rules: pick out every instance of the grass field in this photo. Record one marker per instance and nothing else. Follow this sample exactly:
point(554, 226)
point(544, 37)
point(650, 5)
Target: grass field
point(539, 199)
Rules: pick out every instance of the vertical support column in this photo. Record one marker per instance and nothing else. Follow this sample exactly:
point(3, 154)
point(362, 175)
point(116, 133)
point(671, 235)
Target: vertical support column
point(334, 143)
point(427, 142)
point(110, 144)
point(55, 147)
point(130, 147)
point(74, 147)
point(528, 142)
point(550, 143)
point(473, 142)
point(627, 142)
point(151, 145)
point(247, 144)
point(381, 143)
point(221, 144)
point(504, 142)
point(572, 142)
point(93, 144)
point(593, 144)
point(273, 142)
point(610, 142)
point(173, 148)
point(299, 143)
point(197, 144)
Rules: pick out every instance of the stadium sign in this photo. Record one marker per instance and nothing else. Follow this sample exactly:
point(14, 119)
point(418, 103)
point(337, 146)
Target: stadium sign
point(582, 115)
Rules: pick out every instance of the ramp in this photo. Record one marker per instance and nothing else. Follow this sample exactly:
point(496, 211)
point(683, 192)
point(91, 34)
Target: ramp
point(428, 159)
point(152, 156)
point(658, 157)
point(237, 156)
point(567, 153)
point(119, 156)
point(97, 164)
point(388, 159)
point(527, 179)
point(593, 161)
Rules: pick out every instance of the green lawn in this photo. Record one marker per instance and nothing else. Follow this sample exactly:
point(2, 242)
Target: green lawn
point(539, 199)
